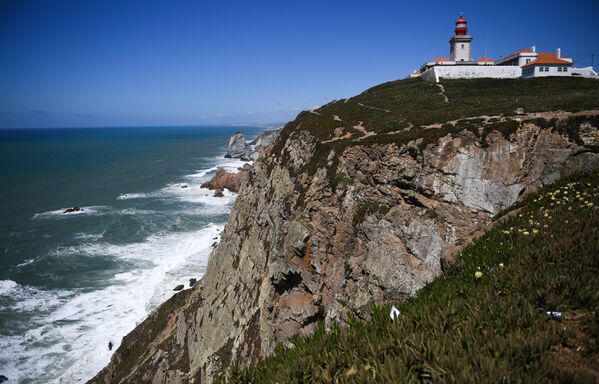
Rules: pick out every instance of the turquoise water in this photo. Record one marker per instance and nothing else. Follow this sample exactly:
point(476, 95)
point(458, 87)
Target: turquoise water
point(70, 283)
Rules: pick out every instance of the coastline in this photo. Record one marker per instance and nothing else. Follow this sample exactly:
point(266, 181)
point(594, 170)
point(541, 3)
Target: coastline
point(73, 327)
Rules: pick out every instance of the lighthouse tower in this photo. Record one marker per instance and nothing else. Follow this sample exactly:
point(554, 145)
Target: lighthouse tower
point(460, 45)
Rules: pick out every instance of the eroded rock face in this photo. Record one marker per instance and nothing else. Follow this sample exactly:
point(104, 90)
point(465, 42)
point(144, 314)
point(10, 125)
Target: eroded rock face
point(227, 180)
point(239, 148)
point(298, 249)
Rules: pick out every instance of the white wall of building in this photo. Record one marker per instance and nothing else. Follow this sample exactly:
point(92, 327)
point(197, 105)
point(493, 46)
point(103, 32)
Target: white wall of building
point(472, 72)
point(546, 70)
point(585, 72)
point(460, 48)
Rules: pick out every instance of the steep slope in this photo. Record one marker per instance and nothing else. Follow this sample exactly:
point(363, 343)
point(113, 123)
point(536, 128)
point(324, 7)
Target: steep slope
point(362, 201)
point(486, 320)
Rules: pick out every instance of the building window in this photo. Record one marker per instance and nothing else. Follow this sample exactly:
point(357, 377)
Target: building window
point(565, 69)
point(462, 46)
point(541, 69)
point(546, 69)
point(527, 61)
point(559, 69)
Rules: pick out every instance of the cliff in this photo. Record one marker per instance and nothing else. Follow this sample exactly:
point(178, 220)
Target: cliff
point(365, 200)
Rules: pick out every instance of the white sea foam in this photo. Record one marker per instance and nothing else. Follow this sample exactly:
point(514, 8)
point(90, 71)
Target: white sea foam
point(7, 286)
point(131, 196)
point(229, 165)
point(76, 331)
point(97, 210)
point(71, 329)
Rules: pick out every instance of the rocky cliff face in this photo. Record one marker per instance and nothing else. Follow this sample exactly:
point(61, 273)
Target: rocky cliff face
point(239, 148)
point(303, 246)
point(362, 201)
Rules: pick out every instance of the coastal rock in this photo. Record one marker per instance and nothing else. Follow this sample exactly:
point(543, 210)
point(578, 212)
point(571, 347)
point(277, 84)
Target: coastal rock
point(72, 210)
point(298, 249)
point(223, 179)
point(192, 282)
point(179, 287)
point(3, 378)
point(239, 148)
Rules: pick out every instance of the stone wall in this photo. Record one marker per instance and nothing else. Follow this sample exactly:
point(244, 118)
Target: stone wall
point(471, 72)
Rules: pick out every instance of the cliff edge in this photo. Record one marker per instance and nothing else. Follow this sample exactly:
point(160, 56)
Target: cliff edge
point(364, 200)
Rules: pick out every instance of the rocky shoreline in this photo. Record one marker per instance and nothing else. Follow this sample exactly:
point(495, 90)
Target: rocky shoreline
point(322, 229)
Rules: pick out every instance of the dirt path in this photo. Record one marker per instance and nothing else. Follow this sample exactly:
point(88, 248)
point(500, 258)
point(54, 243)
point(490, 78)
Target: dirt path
point(442, 93)
point(360, 127)
point(314, 112)
point(343, 137)
point(560, 115)
point(378, 109)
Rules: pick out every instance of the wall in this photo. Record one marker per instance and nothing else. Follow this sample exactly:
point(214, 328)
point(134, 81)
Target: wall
point(472, 72)
point(553, 71)
point(585, 72)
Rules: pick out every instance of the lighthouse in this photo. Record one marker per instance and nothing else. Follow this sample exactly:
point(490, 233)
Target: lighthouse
point(460, 45)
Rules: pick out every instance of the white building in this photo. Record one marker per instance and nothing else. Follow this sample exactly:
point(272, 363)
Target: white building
point(522, 63)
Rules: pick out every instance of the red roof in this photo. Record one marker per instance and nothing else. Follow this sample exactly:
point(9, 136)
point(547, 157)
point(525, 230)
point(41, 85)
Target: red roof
point(441, 59)
point(486, 60)
point(547, 58)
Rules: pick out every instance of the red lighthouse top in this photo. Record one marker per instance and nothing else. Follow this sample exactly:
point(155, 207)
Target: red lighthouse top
point(461, 26)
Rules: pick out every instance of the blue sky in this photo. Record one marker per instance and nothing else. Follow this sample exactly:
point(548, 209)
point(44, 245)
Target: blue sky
point(121, 63)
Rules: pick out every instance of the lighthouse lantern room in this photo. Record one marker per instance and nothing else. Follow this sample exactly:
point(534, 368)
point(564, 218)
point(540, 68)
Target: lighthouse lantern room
point(460, 45)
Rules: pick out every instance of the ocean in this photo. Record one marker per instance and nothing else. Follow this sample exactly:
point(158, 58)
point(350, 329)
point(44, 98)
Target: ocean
point(71, 283)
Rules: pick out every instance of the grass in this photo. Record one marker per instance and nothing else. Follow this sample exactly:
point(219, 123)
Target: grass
point(544, 256)
point(390, 107)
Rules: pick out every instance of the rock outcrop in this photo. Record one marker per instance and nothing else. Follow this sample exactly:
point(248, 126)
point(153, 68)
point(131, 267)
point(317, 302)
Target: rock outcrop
point(364, 200)
point(304, 243)
point(227, 180)
point(239, 148)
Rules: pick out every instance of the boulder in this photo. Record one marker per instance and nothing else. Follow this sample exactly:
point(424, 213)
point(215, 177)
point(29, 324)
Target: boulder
point(3, 378)
point(192, 282)
point(71, 210)
point(239, 148)
point(179, 287)
point(223, 179)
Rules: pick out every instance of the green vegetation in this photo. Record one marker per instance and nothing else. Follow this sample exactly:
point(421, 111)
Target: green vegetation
point(485, 319)
point(392, 106)
point(398, 111)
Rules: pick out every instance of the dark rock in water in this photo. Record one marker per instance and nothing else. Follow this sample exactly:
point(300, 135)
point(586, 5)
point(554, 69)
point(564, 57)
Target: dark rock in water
point(218, 192)
point(110, 345)
point(214, 244)
point(184, 186)
point(3, 378)
point(179, 287)
point(192, 282)
point(71, 210)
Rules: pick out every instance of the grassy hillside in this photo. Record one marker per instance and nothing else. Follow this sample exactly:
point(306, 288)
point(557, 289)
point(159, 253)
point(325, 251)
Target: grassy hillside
point(404, 110)
point(398, 104)
point(485, 319)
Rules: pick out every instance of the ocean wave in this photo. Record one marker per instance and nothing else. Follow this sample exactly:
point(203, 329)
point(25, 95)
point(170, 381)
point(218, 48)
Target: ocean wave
point(229, 165)
point(7, 286)
point(24, 298)
point(131, 196)
point(88, 320)
point(61, 213)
